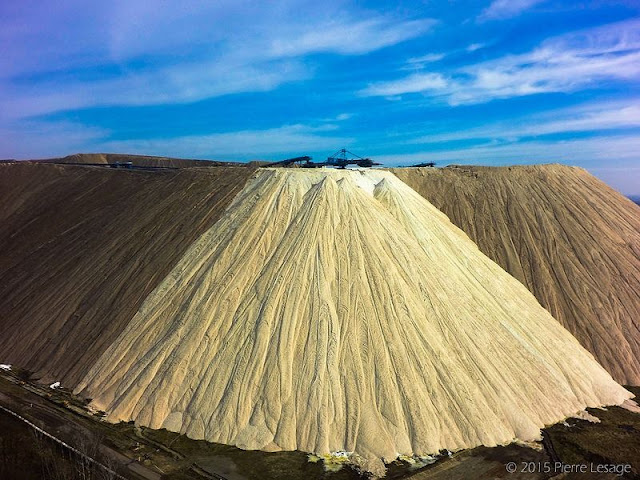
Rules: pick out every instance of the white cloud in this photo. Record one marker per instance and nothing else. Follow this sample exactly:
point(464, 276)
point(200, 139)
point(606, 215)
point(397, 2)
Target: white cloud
point(501, 9)
point(428, 58)
point(562, 64)
point(474, 46)
point(418, 82)
point(350, 38)
point(132, 52)
point(169, 85)
point(245, 27)
point(586, 118)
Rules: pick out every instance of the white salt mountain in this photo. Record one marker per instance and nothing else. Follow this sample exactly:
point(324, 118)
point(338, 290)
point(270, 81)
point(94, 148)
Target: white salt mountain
point(340, 311)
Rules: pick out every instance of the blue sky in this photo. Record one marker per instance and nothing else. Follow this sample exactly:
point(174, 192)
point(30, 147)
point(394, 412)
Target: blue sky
point(473, 82)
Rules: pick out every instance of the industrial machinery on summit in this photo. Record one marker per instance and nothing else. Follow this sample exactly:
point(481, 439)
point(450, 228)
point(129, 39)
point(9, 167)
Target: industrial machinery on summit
point(341, 159)
point(424, 164)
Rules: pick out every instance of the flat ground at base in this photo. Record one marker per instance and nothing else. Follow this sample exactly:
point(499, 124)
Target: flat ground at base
point(144, 453)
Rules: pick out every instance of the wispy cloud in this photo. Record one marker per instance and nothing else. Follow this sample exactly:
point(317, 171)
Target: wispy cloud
point(245, 27)
point(349, 37)
point(474, 46)
point(561, 64)
point(134, 53)
point(428, 58)
point(166, 85)
point(418, 82)
point(600, 116)
point(501, 9)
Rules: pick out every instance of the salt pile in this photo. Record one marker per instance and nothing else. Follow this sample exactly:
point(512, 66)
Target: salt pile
point(339, 311)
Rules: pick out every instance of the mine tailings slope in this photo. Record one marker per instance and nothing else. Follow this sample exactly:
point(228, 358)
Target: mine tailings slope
point(340, 311)
point(571, 239)
point(135, 160)
point(83, 246)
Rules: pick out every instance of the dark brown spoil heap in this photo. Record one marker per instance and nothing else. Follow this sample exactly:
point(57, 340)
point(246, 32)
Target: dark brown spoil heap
point(136, 160)
point(82, 247)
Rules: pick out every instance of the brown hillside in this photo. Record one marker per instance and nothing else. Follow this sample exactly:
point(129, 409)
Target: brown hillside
point(137, 160)
point(572, 240)
point(83, 246)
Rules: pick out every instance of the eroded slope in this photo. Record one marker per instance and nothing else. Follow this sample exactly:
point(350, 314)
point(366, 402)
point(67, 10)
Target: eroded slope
point(83, 246)
point(333, 310)
point(572, 240)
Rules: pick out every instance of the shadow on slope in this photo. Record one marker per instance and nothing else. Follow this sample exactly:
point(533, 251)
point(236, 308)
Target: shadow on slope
point(82, 247)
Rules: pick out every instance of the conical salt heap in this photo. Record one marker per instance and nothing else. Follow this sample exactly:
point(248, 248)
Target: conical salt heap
point(340, 311)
